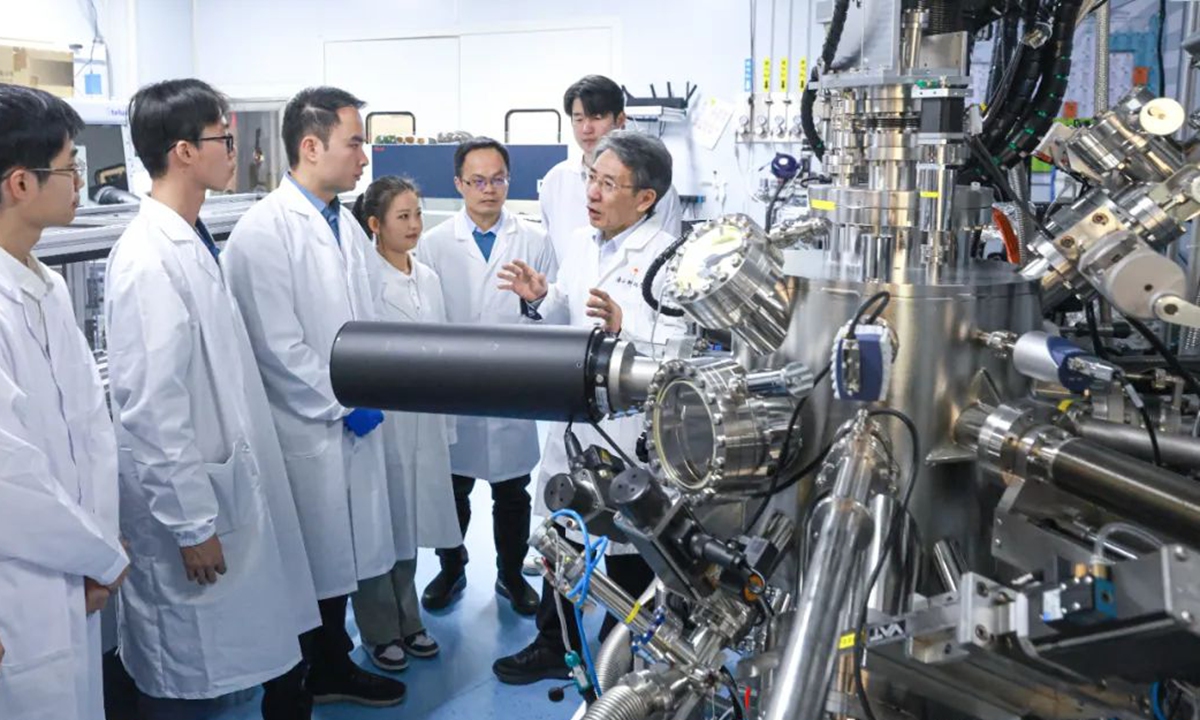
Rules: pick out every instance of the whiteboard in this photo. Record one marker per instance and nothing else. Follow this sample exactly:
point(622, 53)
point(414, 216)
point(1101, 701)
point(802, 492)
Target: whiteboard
point(420, 75)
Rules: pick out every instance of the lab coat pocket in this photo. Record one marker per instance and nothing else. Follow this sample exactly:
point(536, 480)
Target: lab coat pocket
point(230, 483)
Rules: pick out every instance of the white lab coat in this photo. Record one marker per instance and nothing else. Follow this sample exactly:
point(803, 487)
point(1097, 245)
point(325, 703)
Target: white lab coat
point(58, 503)
point(563, 199)
point(199, 456)
point(620, 275)
point(492, 449)
point(296, 286)
point(417, 445)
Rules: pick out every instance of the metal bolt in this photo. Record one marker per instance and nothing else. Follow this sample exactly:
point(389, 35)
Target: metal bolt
point(981, 633)
point(1170, 309)
point(1100, 219)
point(981, 589)
point(1076, 607)
point(1067, 242)
point(1180, 553)
point(999, 543)
point(1187, 617)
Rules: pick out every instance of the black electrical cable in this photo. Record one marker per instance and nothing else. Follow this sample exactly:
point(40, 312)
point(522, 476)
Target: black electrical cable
point(1172, 361)
point(828, 54)
point(1094, 330)
point(883, 295)
point(1056, 70)
point(775, 201)
point(774, 487)
point(881, 299)
point(888, 544)
point(1001, 183)
point(652, 273)
point(735, 695)
point(1151, 432)
point(629, 462)
point(1162, 66)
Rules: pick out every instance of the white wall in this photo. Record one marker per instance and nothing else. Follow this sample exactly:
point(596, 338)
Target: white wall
point(147, 40)
point(163, 40)
point(704, 41)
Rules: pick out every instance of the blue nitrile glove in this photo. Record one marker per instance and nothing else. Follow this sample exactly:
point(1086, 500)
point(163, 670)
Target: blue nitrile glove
point(361, 421)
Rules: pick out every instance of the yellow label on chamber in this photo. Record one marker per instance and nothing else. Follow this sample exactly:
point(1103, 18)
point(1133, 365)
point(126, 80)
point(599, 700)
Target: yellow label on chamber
point(846, 641)
point(783, 75)
point(822, 204)
point(803, 74)
point(766, 84)
point(1062, 406)
point(930, 194)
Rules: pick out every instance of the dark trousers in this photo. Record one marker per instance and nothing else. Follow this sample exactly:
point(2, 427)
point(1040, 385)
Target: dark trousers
point(326, 652)
point(512, 510)
point(630, 572)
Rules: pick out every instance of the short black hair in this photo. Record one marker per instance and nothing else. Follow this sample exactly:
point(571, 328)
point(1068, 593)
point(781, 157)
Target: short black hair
point(480, 143)
point(169, 112)
point(34, 127)
point(313, 111)
point(599, 95)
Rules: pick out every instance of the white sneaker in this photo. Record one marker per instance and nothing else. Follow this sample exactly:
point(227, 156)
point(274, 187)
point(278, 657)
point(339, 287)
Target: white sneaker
point(388, 657)
point(532, 566)
point(421, 645)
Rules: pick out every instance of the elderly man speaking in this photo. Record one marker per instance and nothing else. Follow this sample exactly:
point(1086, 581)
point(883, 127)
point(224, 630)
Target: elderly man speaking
point(600, 283)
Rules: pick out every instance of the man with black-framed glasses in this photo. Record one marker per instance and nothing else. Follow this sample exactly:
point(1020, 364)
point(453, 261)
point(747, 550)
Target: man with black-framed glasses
point(204, 492)
point(60, 553)
point(466, 252)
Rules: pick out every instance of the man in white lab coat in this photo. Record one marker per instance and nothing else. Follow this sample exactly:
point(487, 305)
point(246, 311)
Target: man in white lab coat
point(602, 283)
point(596, 106)
point(466, 252)
point(205, 501)
point(300, 267)
point(60, 556)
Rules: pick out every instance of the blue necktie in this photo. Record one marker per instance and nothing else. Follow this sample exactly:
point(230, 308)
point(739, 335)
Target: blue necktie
point(207, 238)
point(485, 241)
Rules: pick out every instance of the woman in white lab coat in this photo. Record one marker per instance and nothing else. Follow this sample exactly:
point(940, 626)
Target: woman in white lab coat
point(416, 445)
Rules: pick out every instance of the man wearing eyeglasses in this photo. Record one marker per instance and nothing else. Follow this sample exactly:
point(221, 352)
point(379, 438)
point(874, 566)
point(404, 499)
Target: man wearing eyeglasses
point(466, 252)
point(596, 106)
point(601, 284)
point(205, 497)
point(60, 556)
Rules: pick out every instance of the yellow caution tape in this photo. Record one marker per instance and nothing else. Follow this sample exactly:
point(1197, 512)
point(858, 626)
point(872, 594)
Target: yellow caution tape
point(822, 204)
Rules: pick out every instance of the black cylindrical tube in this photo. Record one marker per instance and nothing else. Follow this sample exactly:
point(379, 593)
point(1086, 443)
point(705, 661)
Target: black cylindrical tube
point(1147, 495)
point(515, 371)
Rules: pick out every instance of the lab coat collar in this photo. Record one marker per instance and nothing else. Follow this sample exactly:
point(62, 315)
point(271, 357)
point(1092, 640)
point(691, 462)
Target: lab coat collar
point(465, 227)
point(295, 201)
point(629, 239)
point(177, 230)
point(16, 278)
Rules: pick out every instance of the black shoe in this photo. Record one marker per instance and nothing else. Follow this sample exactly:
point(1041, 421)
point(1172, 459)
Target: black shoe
point(444, 588)
point(532, 664)
point(357, 686)
point(520, 595)
point(286, 697)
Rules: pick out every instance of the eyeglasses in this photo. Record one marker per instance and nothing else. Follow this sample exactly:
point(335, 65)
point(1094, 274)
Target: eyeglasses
point(481, 183)
point(78, 168)
point(227, 138)
point(607, 186)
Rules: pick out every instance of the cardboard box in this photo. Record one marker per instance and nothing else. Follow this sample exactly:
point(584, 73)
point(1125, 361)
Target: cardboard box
point(49, 70)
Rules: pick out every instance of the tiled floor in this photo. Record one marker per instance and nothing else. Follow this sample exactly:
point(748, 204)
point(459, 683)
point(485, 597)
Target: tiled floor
point(458, 684)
